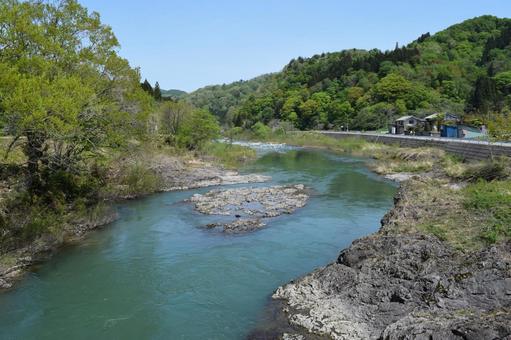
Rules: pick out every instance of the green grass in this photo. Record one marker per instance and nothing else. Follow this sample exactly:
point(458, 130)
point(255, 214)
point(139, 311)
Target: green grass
point(229, 155)
point(491, 202)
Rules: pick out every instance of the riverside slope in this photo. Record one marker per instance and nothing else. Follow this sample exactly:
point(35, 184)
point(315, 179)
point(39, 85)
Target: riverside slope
point(393, 285)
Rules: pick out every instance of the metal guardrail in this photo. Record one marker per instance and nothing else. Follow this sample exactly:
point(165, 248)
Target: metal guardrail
point(435, 139)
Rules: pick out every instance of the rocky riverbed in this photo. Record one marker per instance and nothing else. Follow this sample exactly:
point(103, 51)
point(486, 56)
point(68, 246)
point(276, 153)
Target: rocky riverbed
point(250, 206)
point(394, 285)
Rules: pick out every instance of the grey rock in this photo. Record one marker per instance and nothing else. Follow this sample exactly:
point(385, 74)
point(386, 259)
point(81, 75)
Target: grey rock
point(251, 206)
point(405, 287)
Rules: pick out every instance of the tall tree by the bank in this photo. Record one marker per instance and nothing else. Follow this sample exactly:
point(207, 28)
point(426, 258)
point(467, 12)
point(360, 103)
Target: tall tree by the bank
point(64, 91)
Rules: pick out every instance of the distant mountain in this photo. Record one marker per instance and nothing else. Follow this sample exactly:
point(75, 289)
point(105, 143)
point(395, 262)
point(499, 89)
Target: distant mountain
point(175, 94)
point(464, 69)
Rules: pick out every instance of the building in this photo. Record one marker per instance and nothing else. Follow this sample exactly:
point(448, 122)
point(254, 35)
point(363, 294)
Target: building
point(438, 124)
point(407, 125)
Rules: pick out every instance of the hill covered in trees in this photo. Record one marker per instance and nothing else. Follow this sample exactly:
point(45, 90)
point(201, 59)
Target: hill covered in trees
point(465, 69)
point(173, 93)
point(223, 100)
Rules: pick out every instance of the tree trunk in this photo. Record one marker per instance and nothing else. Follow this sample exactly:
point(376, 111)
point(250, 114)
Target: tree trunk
point(34, 151)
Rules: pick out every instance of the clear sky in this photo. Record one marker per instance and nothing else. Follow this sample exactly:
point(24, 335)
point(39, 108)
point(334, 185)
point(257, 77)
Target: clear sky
point(188, 44)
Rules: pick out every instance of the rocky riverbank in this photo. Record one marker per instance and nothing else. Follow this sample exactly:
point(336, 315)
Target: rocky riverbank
point(251, 207)
point(400, 283)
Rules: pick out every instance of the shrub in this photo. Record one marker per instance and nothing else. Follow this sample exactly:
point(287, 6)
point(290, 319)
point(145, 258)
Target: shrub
point(260, 130)
point(137, 179)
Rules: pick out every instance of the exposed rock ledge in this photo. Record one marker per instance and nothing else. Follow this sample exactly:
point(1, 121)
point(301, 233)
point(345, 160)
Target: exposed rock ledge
point(399, 286)
point(251, 206)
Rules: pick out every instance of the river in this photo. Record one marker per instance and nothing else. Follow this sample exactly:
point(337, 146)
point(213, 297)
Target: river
point(156, 274)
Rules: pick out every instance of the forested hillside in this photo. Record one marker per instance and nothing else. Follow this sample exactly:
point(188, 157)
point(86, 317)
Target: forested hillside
point(222, 100)
point(173, 93)
point(465, 69)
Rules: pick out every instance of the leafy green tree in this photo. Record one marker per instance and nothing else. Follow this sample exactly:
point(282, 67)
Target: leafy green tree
point(64, 92)
point(197, 129)
point(341, 113)
point(503, 82)
point(391, 88)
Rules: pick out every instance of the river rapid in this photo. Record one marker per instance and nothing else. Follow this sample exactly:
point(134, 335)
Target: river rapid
point(156, 273)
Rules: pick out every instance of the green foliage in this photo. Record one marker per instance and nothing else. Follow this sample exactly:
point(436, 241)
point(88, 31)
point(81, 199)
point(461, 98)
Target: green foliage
point(173, 94)
point(500, 127)
point(157, 91)
point(197, 129)
point(260, 130)
point(64, 92)
point(222, 99)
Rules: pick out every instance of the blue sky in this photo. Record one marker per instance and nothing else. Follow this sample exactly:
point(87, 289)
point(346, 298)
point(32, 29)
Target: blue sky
point(188, 44)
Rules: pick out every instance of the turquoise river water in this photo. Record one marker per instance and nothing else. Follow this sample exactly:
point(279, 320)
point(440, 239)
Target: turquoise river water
point(156, 274)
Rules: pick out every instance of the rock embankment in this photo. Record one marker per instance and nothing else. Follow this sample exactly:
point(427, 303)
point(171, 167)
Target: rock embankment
point(403, 286)
point(250, 206)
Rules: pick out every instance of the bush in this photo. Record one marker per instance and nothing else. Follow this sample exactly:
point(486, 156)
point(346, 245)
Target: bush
point(137, 180)
point(260, 130)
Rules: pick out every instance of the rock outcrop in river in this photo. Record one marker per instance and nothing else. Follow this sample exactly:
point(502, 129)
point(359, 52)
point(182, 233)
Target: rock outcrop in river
point(401, 286)
point(178, 175)
point(251, 206)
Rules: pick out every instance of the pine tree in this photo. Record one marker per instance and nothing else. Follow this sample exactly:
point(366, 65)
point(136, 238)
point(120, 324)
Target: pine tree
point(146, 86)
point(157, 91)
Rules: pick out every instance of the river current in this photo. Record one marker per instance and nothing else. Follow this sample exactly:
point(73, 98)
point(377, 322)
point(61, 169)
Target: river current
point(157, 274)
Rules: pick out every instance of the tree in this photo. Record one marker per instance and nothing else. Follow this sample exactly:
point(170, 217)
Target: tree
point(172, 116)
point(484, 96)
point(157, 92)
point(146, 86)
point(197, 129)
point(503, 82)
point(64, 92)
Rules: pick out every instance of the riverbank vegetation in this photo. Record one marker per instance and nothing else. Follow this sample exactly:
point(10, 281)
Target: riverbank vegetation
point(77, 125)
point(464, 69)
